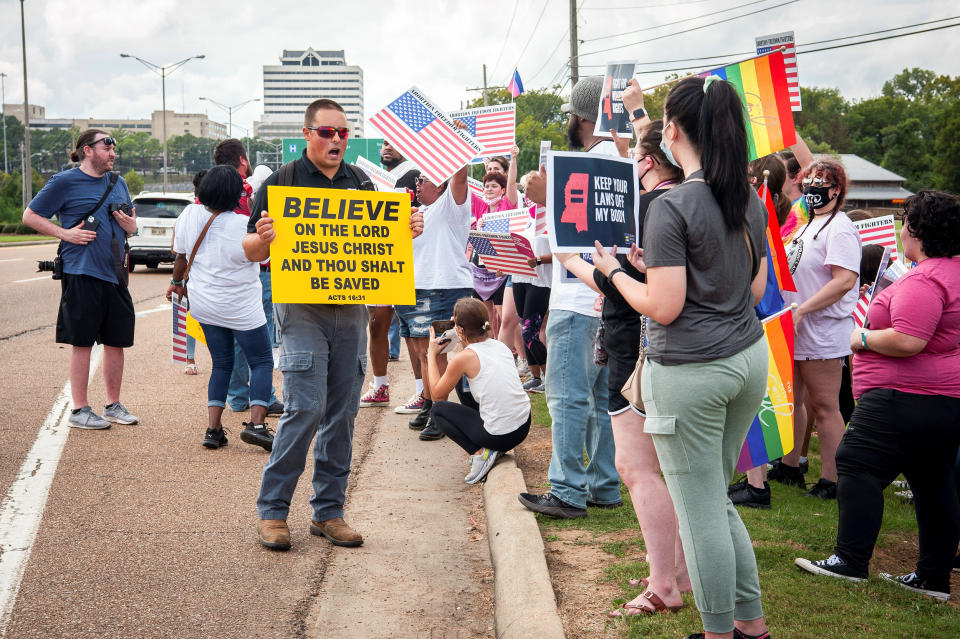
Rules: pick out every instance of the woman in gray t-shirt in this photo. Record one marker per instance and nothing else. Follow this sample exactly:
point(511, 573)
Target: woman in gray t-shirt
point(705, 258)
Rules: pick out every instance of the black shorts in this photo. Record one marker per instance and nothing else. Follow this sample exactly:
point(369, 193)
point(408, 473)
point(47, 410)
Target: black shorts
point(622, 344)
point(94, 310)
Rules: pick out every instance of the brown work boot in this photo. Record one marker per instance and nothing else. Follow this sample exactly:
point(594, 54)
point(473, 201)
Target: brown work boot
point(274, 533)
point(337, 531)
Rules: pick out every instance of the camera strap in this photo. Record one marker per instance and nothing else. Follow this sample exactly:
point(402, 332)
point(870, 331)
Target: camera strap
point(112, 182)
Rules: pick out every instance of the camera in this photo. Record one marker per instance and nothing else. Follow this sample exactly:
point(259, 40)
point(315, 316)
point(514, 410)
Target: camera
point(54, 266)
point(118, 206)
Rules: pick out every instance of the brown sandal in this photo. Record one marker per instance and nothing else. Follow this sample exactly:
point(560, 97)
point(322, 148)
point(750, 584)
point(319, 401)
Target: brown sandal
point(643, 582)
point(628, 610)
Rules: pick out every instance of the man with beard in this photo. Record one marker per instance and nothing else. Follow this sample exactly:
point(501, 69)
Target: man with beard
point(232, 153)
point(95, 305)
point(576, 388)
point(381, 315)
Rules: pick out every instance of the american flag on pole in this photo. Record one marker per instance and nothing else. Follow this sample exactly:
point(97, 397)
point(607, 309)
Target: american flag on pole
point(766, 44)
point(426, 135)
point(860, 311)
point(493, 126)
point(179, 334)
point(503, 252)
point(879, 230)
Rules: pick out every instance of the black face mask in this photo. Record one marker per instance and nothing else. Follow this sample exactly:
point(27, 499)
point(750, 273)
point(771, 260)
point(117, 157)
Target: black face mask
point(817, 197)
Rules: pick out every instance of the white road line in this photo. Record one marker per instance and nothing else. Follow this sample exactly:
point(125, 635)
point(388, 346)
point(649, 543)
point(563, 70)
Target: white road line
point(32, 279)
point(156, 309)
point(13, 259)
point(22, 508)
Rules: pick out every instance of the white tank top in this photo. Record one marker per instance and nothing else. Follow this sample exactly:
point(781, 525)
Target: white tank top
point(504, 405)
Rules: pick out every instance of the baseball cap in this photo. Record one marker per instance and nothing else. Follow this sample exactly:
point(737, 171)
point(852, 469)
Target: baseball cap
point(585, 98)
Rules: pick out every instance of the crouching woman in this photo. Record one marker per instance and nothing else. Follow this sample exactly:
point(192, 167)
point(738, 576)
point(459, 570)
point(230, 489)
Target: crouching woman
point(494, 414)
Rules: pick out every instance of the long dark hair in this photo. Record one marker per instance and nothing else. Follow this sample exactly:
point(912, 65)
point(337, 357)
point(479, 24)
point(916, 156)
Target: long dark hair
point(85, 139)
point(650, 145)
point(713, 120)
point(775, 182)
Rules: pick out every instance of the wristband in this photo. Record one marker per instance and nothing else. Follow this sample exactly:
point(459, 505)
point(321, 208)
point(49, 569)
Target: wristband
point(176, 282)
point(614, 272)
point(863, 340)
point(539, 262)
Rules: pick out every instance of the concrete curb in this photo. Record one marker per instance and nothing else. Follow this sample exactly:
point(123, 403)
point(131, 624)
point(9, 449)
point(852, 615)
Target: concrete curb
point(30, 243)
point(524, 602)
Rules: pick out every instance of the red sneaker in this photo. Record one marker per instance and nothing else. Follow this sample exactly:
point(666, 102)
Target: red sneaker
point(376, 396)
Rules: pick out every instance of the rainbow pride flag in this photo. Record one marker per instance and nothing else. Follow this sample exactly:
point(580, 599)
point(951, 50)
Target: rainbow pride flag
point(771, 434)
point(777, 256)
point(762, 85)
point(799, 216)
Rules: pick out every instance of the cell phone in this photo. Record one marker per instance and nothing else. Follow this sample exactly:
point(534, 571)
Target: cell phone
point(90, 223)
point(442, 326)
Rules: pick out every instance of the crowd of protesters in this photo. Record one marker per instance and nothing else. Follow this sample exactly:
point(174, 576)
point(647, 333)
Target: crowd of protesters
point(666, 410)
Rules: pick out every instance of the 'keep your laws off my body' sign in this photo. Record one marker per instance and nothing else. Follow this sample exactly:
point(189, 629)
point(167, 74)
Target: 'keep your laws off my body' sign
point(338, 246)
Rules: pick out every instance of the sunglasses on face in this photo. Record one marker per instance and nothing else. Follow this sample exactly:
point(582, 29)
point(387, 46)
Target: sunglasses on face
point(421, 179)
point(107, 141)
point(328, 132)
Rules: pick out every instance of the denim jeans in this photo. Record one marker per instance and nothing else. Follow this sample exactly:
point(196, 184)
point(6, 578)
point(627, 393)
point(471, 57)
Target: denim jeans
point(238, 392)
point(323, 358)
point(394, 337)
point(577, 400)
point(255, 344)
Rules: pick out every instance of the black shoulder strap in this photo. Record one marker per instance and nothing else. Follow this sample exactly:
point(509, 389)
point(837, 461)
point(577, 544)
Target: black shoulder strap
point(113, 181)
point(286, 174)
point(363, 181)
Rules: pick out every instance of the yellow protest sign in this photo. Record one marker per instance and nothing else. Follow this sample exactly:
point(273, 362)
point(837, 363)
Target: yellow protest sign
point(337, 246)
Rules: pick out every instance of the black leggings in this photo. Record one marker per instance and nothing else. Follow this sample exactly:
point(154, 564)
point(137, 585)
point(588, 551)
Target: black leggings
point(464, 426)
point(532, 302)
point(893, 432)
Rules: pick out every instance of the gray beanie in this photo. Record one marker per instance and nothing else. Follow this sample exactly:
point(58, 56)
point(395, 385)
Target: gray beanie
point(585, 98)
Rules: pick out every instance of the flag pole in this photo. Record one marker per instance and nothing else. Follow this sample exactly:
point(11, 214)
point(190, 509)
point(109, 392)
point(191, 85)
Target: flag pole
point(694, 75)
point(793, 307)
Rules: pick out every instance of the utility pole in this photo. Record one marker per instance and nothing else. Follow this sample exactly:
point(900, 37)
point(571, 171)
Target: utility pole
point(3, 116)
point(574, 58)
point(486, 100)
point(27, 172)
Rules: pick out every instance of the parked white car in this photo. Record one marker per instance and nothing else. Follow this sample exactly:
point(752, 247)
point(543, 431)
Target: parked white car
point(156, 216)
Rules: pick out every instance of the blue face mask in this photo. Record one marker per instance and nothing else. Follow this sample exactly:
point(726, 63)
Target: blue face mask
point(666, 150)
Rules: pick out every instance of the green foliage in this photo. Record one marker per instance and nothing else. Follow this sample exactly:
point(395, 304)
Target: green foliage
point(134, 182)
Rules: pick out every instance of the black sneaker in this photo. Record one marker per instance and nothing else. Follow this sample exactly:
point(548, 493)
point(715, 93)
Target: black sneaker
point(743, 494)
point(832, 566)
point(789, 475)
point(419, 421)
point(549, 504)
point(737, 634)
point(275, 409)
point(258, 435)
point(430, 432)
point(914, 583)
point(215, 438)
point(825, 489)
point(804, 465)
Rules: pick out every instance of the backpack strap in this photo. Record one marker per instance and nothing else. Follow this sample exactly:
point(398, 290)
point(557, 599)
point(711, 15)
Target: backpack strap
point(362, 179)
point(286, 174)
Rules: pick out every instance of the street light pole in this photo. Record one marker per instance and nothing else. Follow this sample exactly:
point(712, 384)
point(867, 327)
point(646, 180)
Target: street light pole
point(27, 172)
point(229, 109)
point(163, 72)
point(3, 116)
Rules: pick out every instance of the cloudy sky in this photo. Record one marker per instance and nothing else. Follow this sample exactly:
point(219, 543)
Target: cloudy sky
point(75, 69)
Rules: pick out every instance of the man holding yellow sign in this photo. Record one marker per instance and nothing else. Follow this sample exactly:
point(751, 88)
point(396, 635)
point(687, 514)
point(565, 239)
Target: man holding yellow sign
point(334, 246)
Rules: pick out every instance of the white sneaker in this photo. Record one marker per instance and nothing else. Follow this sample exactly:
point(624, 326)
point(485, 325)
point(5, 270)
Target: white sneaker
point(87, 419)
point(487, 459)
point(522, 367)
point(411, 406)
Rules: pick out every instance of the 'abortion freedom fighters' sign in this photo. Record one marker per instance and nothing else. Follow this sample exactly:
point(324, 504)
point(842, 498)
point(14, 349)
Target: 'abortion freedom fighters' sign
point(338, 246)
point(591, 198)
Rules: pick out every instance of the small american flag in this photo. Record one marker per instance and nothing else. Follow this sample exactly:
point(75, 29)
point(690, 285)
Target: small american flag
point(426, 135)
point(494, 127)
point(179, 339)
point(475, 186)
point(384, 180)
point(512, 221)
point(540, 218)
point(879, 230)
point(503, 252)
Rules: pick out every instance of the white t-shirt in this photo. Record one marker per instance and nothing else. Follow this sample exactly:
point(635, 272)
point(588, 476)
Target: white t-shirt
point(440, 252)
point(577, 296)
point(504, 405)
point(223, 286)
point(823, 334)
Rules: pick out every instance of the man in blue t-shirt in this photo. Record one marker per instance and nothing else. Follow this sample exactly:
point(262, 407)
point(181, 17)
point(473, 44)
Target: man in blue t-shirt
point(95, 305)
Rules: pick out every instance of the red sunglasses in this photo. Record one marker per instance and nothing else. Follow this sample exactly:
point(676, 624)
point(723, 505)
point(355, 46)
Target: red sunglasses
point(329, 131)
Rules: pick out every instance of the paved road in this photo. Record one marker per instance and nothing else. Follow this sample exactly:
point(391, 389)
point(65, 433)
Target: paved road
point(147, 534)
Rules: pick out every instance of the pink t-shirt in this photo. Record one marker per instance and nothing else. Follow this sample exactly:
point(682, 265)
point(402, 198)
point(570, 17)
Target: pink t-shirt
point(823, 334)
point(924, 303)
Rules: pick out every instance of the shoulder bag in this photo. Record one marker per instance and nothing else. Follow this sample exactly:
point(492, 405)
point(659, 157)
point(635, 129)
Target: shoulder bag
point(184, 299)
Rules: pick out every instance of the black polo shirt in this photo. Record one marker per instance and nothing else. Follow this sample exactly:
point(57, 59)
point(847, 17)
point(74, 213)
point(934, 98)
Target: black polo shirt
point(305, 173)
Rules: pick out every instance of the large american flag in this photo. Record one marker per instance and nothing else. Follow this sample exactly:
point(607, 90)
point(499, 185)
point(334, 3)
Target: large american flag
point(426, 136)
point(495, 127)
point(879, 230)
point(179, 333)
point(766, 44)
point(503, 252)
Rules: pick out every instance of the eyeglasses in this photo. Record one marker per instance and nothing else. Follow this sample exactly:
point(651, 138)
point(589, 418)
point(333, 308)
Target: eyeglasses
point(637, 157)
point(421, 179)
point(328, 132)
point(107, 141)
